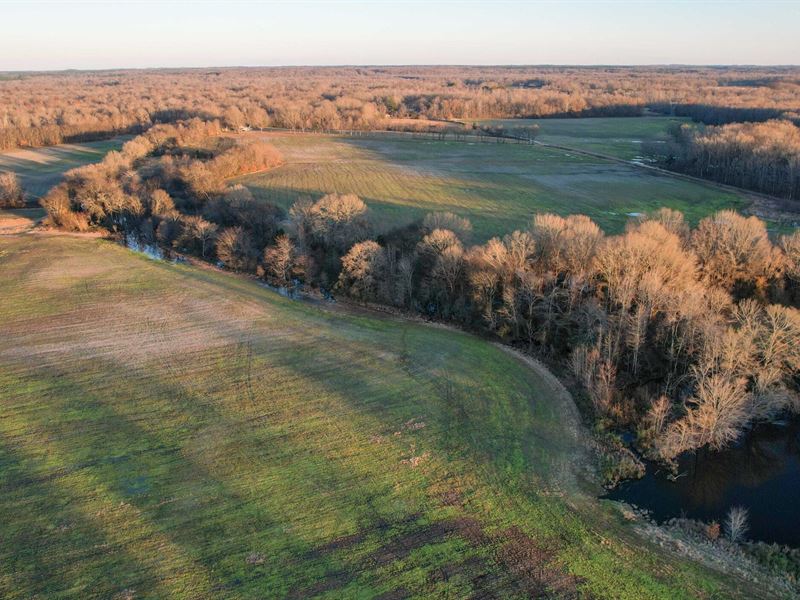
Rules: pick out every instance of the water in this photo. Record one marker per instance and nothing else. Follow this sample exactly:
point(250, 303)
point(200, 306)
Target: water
point(293, 291)
point(762, 474)
point(149, 250)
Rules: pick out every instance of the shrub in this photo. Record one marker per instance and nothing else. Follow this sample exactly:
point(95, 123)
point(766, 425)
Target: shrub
point(11, 195)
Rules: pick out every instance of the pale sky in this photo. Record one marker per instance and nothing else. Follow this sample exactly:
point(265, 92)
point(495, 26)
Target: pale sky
point(99, 35)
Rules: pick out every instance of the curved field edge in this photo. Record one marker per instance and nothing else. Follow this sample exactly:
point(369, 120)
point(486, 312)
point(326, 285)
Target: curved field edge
point(176, 432)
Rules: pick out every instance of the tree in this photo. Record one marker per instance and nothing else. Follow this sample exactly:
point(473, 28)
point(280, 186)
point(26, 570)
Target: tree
point(598, 377)
point(736, 523)
point(439, 240)
point(11, 195)
point(671, 220)
point(234, 118)
point(448, 269)
point(60, 212)
point(759, 156)
point(197, 229)
point(790, 244)
point(363, 270)
point(280, 258)
point(201, 181)
point(718, 411)
point(565, 245)
point(235, 248)
point(733, 249)
point(446, 220)
point(487, 266)
point(160, 203)
point(338, 221)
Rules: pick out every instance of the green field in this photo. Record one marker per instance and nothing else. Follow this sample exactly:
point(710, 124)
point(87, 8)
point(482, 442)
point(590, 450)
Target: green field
point(39, 169)
point(498, 186)
point(621, 137)
point(169, 431)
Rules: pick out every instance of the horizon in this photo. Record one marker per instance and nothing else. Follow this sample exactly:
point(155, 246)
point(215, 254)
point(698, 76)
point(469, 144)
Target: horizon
point(419, 65)
point(314, 33)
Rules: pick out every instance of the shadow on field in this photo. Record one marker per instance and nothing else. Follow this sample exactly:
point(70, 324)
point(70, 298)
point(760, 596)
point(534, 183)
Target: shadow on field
point(218, 528)
point(221, 527)
point(40, 551)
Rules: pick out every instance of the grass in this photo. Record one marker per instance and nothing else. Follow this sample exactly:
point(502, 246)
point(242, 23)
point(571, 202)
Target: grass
point(621, 137)
point(175, 432)
point(39, 169)
point(498, 186)
point(16, 220)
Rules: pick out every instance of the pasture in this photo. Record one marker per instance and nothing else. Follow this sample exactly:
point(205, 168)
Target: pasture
point(171, 431)
point(620, 137)
point(499, 186)
point(39, 169)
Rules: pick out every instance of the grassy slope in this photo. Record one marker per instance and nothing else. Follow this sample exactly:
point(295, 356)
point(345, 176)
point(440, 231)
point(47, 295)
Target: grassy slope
point(185, 433)
point(621, 137)
point(39, 169)
point(498, 186)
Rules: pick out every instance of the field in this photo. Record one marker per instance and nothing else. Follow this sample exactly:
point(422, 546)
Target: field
point(620, 137)
point(498, 186)
point(170, 431)
point(39, 169)
point(17, 220)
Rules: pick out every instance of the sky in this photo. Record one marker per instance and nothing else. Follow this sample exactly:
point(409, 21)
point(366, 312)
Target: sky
point(100, 35)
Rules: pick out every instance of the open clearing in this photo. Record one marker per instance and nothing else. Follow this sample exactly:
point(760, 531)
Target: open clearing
point(39, 169)
point(621, 137)
point(175, 432)
point(17, 220)
point(498, 186)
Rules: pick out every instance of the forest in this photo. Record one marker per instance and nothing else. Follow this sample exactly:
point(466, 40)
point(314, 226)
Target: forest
point(685, 335)
point(49, 108)
point(759, 156)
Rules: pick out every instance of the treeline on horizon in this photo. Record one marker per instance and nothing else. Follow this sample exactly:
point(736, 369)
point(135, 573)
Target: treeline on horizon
point(38, 109)
point(688, 336)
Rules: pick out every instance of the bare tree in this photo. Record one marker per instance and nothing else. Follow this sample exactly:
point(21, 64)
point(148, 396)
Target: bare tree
point(439, 240)
point(718, 411)
point(732, 249)
point(280, 258)
point(235, 248)
point(197, 229)
point(160, 203)
point(446, 220)
point(338, 220)
point(736, 523)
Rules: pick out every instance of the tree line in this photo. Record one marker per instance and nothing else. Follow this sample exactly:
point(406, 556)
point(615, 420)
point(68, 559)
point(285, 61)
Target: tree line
point(764, 157)
point(38, 109)
point(686, 335)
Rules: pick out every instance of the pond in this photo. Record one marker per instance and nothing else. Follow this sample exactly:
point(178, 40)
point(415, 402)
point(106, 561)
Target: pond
point(762, 474)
